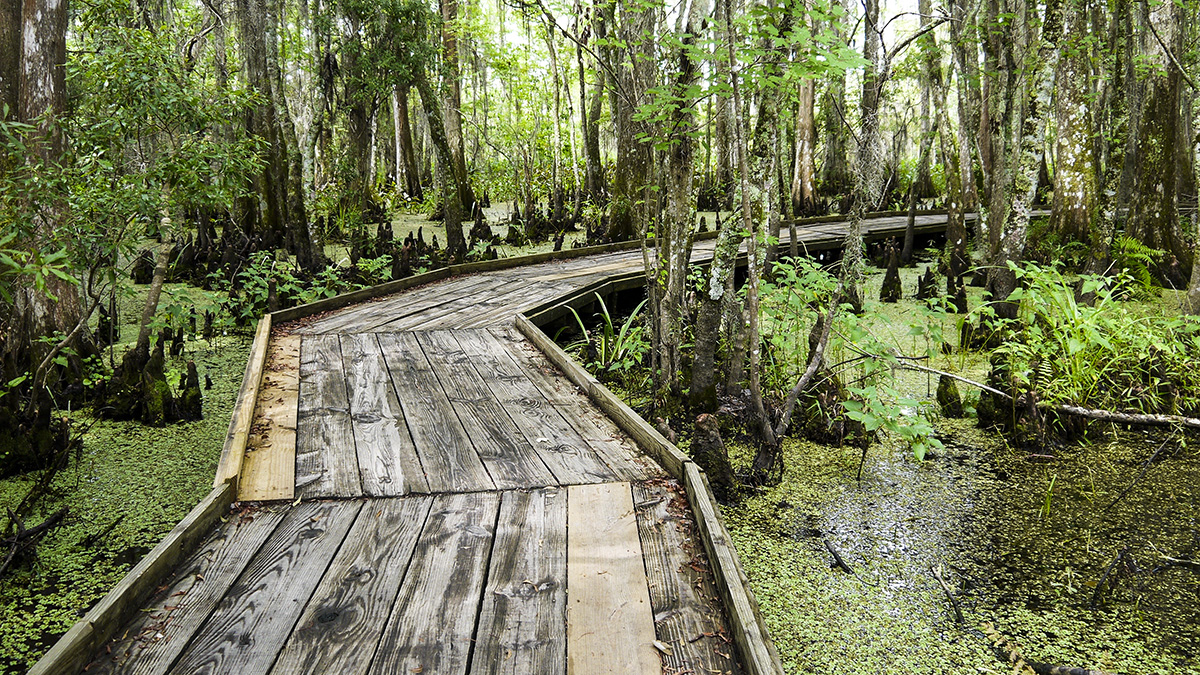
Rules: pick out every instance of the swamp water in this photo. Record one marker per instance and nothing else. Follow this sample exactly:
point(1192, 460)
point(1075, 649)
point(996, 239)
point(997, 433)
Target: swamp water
point(1023, 540)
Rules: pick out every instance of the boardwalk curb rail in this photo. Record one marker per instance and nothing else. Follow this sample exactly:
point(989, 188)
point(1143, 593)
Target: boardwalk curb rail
point(229, 468)
point(757, 652)
point(75, 649)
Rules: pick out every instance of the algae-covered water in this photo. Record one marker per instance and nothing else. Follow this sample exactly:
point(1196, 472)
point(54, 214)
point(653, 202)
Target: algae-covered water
point(978, 510)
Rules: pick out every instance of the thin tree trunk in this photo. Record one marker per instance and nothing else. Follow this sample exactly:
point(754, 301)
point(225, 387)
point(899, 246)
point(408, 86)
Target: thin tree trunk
point(452, 112)
point(456, 244)
point(931, 75)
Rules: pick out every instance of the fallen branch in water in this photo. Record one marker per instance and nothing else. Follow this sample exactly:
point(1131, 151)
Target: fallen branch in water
point(841, 564)
point(1139, 419)
point(937, 574)
point(1104, 577)
point(27, 538)
point(1007, 650)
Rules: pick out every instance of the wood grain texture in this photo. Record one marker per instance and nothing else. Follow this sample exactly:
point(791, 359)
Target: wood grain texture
point(688, 615)
point(326, 459)
point(247, 629)
point(229, 467)
point(153, 641)
point(269, 468)
point(387, 460)
point(446, 451)
point(433, 623)
point(510, 459)
point(563, 450)
point(347, 299)
point(621, 455)
point(522, 622)
point(610, 624)
point(342, 624)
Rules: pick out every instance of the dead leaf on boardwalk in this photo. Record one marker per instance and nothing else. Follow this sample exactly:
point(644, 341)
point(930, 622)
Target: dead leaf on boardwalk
point(663, 647)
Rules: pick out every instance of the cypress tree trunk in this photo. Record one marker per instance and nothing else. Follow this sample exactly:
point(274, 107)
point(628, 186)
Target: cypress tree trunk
point(1154, 209)
point(1002, 281)
point(453, 104)
point(1074, 210)
point(931, 77)
point(804, 198)
point(631, 197)
point(456, 244)
point(407, 159)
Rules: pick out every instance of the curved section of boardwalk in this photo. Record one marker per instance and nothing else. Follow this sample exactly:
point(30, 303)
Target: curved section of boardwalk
point(427, 494)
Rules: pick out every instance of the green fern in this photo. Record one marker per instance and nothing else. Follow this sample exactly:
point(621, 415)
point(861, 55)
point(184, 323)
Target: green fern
point(1135, 259)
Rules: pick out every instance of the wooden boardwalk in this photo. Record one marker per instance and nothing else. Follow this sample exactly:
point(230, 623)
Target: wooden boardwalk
point(422, 492)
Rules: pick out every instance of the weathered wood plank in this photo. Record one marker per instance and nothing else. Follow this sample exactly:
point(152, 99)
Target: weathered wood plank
point(153, 641)
point(387, 460)
point(687, 612)
point(447, 297)
point(495, 293)
point(746, 625)
point(510, 459)
point(353, 297)
point(229, 467)
point(447, 454)
point(522, 623)
point(563, 450)
point(344, 620)
point(326, 460)
point(610, 625)
point(269, 468)
point(433, 622)
point(248, 628)
point(601, 434)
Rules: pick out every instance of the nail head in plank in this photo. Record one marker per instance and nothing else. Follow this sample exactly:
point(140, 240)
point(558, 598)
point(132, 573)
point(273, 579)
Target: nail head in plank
point(610, 625)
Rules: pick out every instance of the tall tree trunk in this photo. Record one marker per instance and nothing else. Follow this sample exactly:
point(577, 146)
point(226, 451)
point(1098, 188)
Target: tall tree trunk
point(1000, 90)
point(590, 118)
point(1154, 210)
point(1073, 212)
point(630, 207)
point(10, 57)
point(456, 243)
point(1002, 281)
point(835, 165)
point(299, 238)
point(931, 76)
point(272, 185)
point(673, 241)
point(407, 159)
point(53, 310)
point(867, 173)
point(452, 110)
point(966, 58)
point(804, 198)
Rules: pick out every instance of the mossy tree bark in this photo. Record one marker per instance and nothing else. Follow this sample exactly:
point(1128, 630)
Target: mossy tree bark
point(632, 197)
point(281, 217)
point(1002, 281)
point(931, 76)
point(452, 109)
point(456, 244)
point(1073, 213)
point(674, 237)
point(1154, 209)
